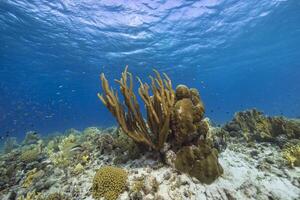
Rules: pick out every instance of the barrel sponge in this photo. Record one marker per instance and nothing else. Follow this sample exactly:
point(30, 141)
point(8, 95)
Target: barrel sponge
point(109, 182)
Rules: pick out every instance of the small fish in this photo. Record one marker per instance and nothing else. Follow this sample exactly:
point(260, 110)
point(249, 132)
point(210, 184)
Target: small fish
point(76, 148)
point(7, 134)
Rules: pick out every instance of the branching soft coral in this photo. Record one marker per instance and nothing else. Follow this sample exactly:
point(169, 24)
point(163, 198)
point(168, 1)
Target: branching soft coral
point(292, 155)
point(158, 106)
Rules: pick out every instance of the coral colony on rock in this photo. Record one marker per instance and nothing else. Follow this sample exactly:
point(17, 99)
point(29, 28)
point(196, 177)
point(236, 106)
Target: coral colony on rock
point(172, 152)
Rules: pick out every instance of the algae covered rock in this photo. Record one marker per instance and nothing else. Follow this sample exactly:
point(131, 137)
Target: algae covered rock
point(255, 126)
point(109, 182)
point(125, 149)
point(31, 177)
point(30, 155)
point(200, 162)
point(56, 196)
point(292, 154)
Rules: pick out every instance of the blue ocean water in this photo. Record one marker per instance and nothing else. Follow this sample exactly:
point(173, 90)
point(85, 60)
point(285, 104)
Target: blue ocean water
point(239, 54)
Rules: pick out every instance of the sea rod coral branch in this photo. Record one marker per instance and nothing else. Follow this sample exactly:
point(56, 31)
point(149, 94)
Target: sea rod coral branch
point(158, 106)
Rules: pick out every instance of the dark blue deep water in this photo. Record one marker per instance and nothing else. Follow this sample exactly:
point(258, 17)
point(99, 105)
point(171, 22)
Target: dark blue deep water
point(239, 54)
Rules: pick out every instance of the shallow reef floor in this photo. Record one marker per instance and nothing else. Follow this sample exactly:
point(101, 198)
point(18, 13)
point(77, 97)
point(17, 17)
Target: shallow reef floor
point(251, 171)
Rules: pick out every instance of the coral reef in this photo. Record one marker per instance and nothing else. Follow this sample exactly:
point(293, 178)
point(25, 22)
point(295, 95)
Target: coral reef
point(252, 170)
point(174, 118)
point(109, 182)
point(257, 127)
point(172, 154)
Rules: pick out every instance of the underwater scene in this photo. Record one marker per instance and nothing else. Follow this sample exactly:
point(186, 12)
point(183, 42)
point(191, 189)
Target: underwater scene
point(150, 100)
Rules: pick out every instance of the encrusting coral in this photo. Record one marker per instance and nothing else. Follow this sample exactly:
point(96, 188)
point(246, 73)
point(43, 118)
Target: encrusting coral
point(109, 182)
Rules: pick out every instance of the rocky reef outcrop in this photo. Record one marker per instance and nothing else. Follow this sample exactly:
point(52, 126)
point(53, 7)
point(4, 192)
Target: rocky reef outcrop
point(255, 126)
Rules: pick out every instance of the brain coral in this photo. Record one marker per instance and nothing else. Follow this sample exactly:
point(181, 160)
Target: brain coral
point(109, 182)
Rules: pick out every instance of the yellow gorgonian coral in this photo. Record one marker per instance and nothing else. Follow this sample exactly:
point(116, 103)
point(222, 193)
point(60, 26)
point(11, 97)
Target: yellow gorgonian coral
point(109, 182)
point(292, 155)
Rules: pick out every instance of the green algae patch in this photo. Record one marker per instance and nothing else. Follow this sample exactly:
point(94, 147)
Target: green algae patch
point(109, 182)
